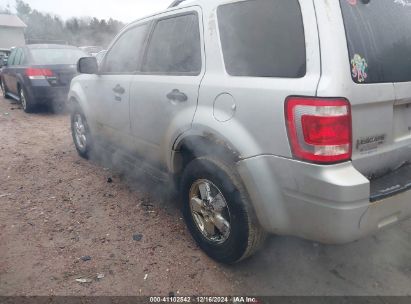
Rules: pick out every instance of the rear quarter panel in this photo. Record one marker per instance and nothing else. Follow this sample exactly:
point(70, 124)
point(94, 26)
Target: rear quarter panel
point(258, 125)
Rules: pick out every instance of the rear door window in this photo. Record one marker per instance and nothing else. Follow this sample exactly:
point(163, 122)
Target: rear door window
point(263, 38)
point(379, 39)
point(175, 47)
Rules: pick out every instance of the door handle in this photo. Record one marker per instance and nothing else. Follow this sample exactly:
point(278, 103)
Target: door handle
point(176, 95)
point(119, 90)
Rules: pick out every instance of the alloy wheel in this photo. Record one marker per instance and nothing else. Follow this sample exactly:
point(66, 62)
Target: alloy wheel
point(23, 100)
point(80, 132)
point(2, 87)
point(210, 211)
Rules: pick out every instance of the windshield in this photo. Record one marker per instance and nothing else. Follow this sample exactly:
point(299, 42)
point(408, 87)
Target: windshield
point(379, 40)
point(57, 56)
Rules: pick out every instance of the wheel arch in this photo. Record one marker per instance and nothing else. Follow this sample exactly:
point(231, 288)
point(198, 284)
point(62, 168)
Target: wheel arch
point(230, 144)
point(209, 137)
point(192, 146)
point(2, 82)
point(77, 95)
point(20, 82)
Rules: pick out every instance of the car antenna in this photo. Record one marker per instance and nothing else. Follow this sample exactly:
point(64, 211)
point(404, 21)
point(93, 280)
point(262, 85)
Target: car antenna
point(176, 3)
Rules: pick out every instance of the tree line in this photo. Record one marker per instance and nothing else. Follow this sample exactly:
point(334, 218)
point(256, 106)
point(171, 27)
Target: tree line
point(48, 28)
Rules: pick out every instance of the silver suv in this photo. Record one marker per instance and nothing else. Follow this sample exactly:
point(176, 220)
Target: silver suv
point(287, 117)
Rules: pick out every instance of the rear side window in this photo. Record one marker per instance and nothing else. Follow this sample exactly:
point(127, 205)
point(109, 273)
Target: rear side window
point(263, 38)
point(10, 60)
point(175, 47)
point(124, 55)
point(23, 59)
point(17, 59)
point(379, 40)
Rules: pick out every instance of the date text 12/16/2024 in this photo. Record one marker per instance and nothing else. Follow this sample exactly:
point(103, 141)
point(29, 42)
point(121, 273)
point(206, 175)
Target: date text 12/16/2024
point(204, 300)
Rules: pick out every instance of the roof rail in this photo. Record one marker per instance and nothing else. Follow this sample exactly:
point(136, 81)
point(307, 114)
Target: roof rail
point(176, 3)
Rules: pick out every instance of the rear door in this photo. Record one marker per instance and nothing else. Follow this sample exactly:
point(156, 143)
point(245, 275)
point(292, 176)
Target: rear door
point(15, 70)
point(168, 83)
point(379, 46)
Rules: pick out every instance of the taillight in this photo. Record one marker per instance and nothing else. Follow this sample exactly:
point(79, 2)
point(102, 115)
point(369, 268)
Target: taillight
point(34, 73)
point(319, 129)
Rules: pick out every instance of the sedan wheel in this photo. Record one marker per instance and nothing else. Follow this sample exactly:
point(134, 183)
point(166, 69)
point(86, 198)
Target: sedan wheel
point(23, 100)
point(26, 102)
point(3, 88)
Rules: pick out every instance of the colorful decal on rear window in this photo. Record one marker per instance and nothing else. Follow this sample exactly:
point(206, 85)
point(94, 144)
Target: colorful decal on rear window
point(405, 3)
point(352, 2)
point(359, 68)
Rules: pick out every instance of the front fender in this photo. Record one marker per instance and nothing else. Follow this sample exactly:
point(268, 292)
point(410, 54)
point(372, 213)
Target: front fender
point(77, 93)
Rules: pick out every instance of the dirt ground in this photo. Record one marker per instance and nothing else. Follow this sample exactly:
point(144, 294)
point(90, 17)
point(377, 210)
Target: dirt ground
point(56, 208)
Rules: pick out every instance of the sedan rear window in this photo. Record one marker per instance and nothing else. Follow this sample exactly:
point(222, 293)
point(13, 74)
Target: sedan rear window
point(263, 38)
point(56, 56)
point(379, 39)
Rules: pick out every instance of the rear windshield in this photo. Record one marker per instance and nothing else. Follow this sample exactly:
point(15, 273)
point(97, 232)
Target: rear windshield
point(379, 39)
point(263, 38)
point(56, 56)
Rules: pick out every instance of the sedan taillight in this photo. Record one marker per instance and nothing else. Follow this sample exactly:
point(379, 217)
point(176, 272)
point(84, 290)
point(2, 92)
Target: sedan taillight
point(319, 129)
point(35, 73)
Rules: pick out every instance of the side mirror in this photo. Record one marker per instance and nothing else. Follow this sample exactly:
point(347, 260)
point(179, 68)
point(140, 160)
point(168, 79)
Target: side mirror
point(87, 65)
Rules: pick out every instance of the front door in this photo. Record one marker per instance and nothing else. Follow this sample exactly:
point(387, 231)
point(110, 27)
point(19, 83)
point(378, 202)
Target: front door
point(111, 88)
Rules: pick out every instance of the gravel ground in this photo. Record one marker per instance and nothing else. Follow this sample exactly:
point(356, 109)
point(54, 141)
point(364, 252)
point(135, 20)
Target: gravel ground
point(56, 209)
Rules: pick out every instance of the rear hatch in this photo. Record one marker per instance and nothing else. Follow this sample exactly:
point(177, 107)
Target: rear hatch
point(379, 43)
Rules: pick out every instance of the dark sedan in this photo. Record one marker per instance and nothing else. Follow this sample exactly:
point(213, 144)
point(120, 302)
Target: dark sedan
point(40, 74)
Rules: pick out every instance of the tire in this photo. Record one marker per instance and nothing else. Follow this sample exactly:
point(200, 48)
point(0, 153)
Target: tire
point(245, 235)
point(78, 130)
point(3, 89)
point(25, 100)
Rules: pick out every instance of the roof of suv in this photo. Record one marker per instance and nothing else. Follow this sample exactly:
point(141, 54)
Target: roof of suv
point(203, 3)
point(180, 5)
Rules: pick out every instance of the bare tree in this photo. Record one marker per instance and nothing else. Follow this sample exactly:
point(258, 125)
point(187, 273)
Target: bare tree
point(43, 27)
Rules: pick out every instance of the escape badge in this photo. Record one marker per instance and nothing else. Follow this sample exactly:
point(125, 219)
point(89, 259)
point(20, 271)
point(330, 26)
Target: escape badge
point(370, 143)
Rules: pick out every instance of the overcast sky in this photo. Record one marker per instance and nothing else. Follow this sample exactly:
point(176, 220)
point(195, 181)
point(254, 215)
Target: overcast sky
point(123, 10)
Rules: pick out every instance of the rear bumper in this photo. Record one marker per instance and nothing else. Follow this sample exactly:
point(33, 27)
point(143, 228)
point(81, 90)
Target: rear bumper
point(43, 93)
point(328, 204)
